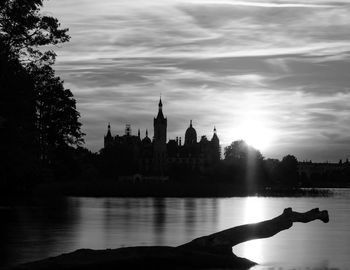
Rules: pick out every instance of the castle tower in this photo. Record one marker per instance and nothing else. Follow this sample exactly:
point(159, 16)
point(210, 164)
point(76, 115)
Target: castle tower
point(159, 144)
point(108, 139)
point(160, 125)
point(216, 151)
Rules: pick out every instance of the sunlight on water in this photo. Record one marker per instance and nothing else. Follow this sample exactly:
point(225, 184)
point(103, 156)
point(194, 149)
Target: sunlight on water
point(253, 209)
point(253, 212)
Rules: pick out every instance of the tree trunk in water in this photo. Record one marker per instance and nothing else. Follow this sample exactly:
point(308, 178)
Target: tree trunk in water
point(223, 241)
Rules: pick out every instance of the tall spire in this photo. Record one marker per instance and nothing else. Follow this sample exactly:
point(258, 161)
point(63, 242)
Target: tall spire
point(138, 133)
point(109, 130)
point(160, 104)
point(159, 141)
point(146, 132)
point(214, 129)
point(160, 110)
point(190, 123)
point(108, 139)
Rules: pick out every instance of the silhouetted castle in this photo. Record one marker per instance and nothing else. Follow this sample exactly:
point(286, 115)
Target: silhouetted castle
point(158, 156)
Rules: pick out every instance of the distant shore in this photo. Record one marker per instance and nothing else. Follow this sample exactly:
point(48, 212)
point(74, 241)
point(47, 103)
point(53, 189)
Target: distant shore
point(169, 189)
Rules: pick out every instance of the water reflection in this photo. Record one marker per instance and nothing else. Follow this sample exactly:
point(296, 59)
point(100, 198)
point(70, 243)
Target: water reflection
point(159, 206)
point(159, 219)
point(254, 211)
point(190, 215)
point(30, 233)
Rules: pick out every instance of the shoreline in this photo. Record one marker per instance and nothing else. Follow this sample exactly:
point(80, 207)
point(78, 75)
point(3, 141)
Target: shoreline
point(168, 189)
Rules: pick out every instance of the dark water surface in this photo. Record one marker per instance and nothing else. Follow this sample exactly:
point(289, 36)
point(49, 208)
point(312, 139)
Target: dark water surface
point(31, 233)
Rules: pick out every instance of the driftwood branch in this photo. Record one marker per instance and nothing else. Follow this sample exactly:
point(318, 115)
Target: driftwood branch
point(223, 241)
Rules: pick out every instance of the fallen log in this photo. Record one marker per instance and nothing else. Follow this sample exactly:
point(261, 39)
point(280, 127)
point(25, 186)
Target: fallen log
point(211, 251)
point(223, 241)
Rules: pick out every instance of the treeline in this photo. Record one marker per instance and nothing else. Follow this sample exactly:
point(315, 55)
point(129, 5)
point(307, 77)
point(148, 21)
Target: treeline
point(243, 171)
point(39, 123)
point(245, 166)
point(338, 176)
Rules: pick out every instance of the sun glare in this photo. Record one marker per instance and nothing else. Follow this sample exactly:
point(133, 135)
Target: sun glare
point(255, 132)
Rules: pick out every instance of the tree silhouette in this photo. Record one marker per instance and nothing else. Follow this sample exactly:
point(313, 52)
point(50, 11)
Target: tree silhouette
point(23, 29)
point(240, 150)
point(18, 144)
point(35, 106)
point(289, 171)
point(285, 174)
point(243, 165)
point(57, 117)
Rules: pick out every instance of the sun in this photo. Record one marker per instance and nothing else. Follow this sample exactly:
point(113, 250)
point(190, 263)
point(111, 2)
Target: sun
point(255, 132)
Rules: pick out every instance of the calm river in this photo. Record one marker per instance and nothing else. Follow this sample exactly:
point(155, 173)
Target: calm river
point(31, 233)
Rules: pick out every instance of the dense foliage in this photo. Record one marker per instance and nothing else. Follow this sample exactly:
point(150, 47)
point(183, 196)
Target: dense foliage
point(38, 116)
point(18, 144)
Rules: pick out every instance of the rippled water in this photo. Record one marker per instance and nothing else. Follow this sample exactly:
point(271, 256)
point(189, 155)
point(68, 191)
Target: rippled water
point(31, 233)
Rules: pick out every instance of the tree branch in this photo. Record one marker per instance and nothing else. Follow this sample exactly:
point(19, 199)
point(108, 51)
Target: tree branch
point(223, 241)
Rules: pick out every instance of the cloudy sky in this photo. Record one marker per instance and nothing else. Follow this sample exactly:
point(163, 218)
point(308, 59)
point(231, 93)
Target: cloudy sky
point(275, 73)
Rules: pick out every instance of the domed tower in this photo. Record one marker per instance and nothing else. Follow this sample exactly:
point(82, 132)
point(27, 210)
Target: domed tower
point(190, 135)
point(108, 139)
point(159, 143)
point(215, 143)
